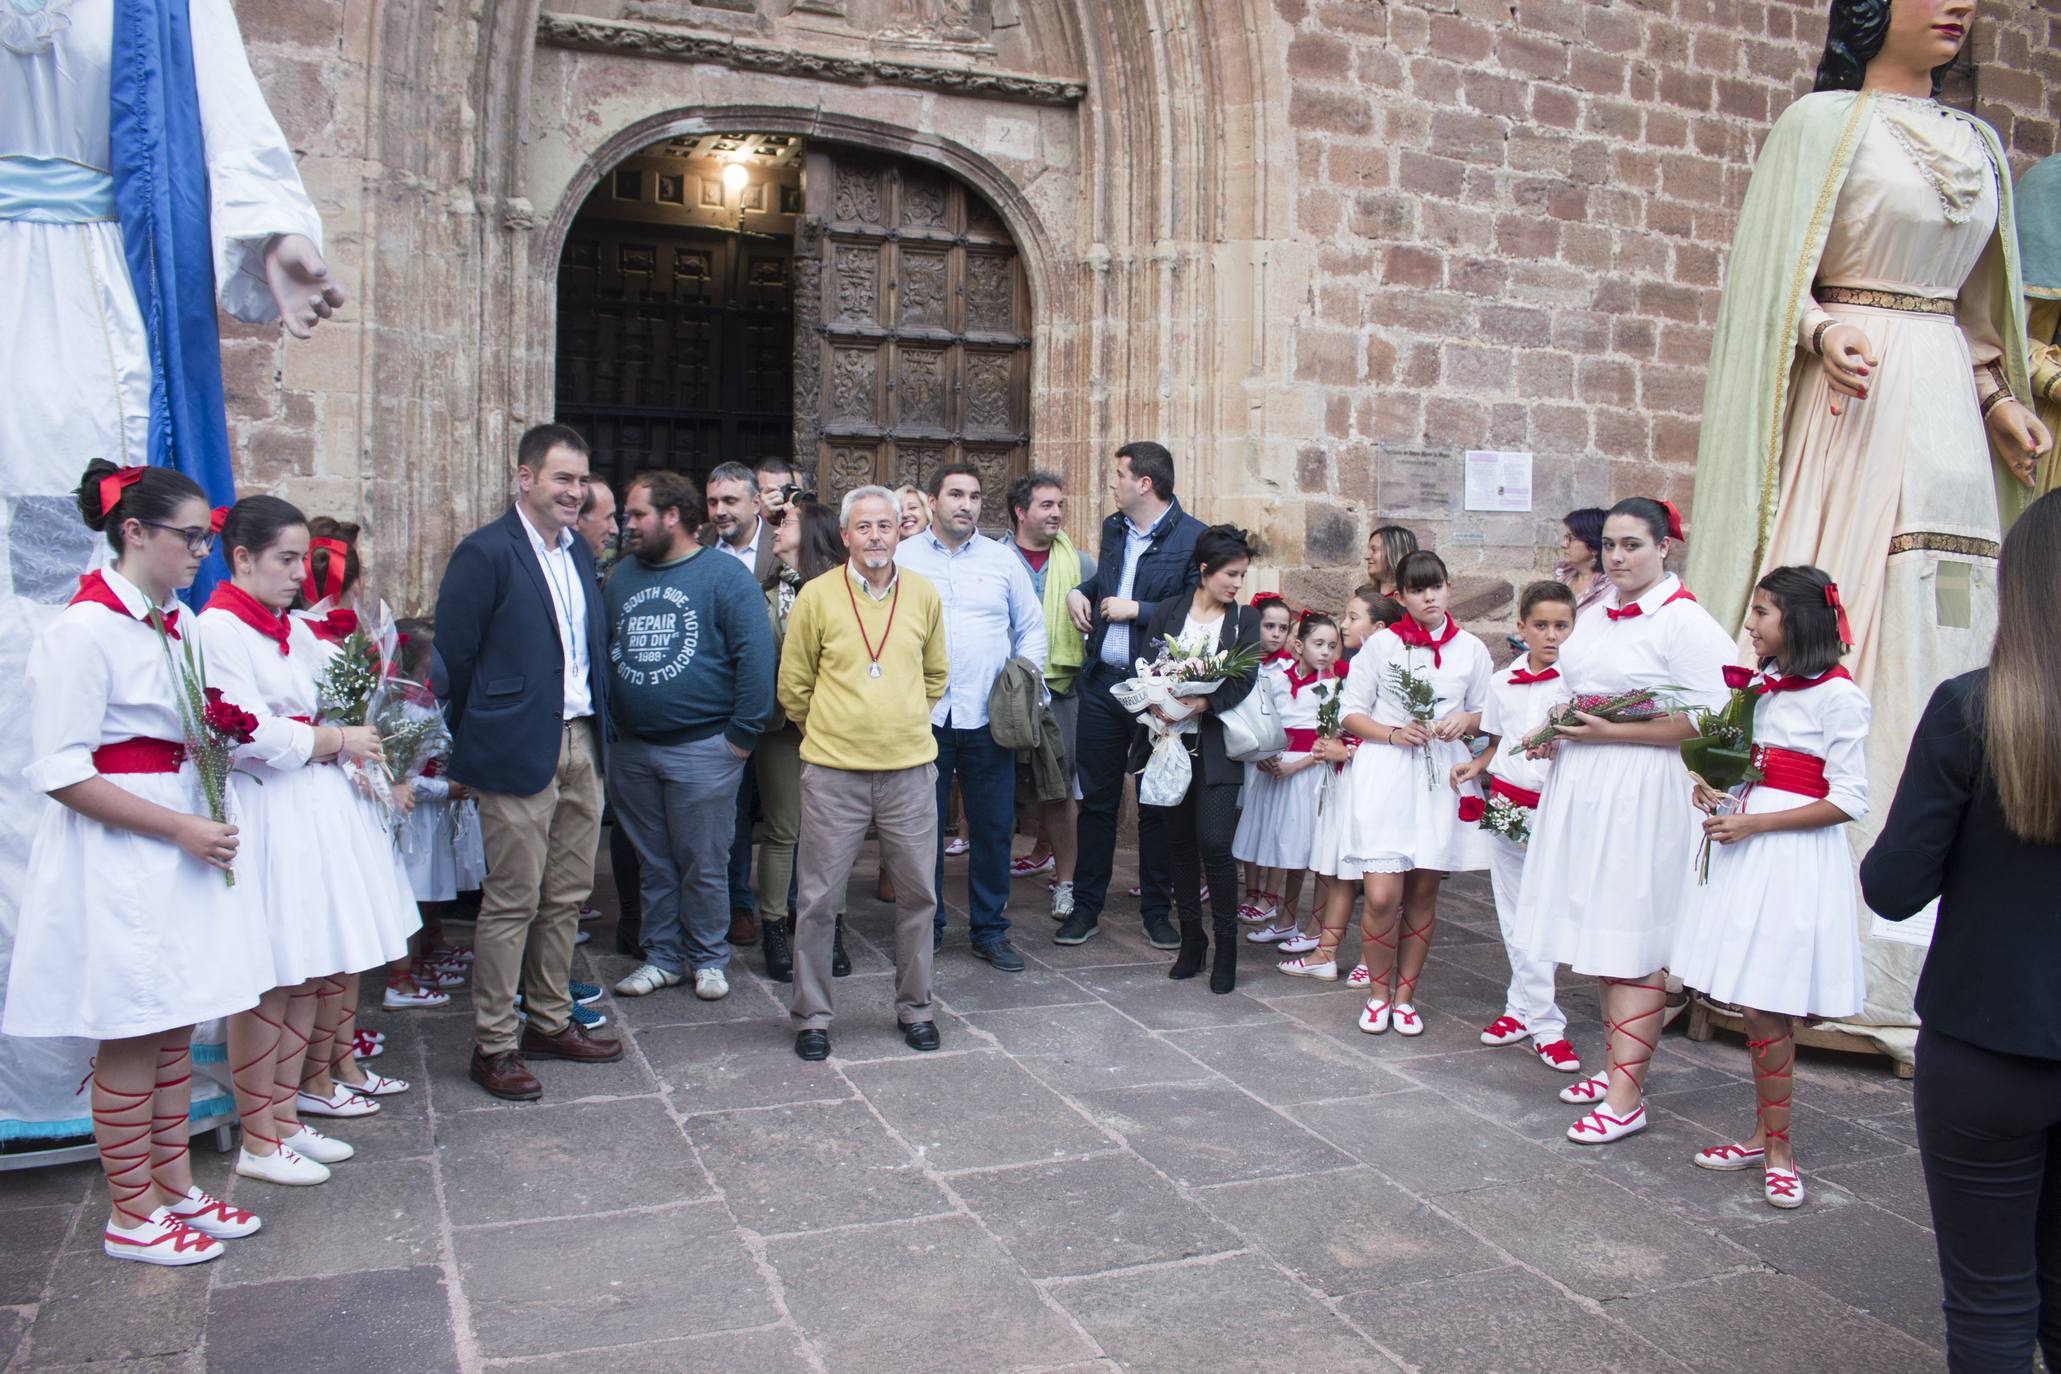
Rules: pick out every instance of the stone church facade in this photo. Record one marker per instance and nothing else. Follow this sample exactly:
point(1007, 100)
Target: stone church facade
point(1317, 247)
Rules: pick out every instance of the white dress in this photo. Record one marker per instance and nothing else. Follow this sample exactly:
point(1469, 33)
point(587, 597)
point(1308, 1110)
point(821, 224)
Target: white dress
point(1615, 837)
point(122, 934)
point(1279, 823)
point(333, 887)
point(428, 850)
point(1335, 810)
point(1777, 927)
point(1405, 814)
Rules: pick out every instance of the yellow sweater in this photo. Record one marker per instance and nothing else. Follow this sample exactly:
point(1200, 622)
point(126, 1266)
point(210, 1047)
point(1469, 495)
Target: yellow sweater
point(848, 718)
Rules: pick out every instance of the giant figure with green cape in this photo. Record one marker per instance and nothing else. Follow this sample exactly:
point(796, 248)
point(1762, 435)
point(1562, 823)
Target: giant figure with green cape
point(1864, 409)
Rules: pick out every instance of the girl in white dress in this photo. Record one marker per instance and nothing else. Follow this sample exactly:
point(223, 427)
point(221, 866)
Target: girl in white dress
point(1775, 930)
point(1278, 824)
point(1614, 840)
point(324, 872)
point(1277, 643)
point(130, 934)
point(1407, 832)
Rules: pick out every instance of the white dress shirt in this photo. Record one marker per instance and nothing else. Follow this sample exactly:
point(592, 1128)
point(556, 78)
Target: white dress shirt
point(1117, 652)
point(569, 599)
point(747, 554)
point(991, 614)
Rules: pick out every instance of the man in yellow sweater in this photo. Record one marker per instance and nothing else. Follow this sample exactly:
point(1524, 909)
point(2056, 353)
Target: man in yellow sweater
point(862, 665)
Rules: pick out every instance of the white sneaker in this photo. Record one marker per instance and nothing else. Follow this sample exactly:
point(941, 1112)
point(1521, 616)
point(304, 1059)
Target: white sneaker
point(310, 1143)
point(1062, 901)
point(1377, 1016)
point(1588, 1090)
point(1407, 1021)
point(212, 1217)
point(281, 1166)
point(1302, 966)
point(711, 984)
point(397, 999)
point(647, 979)
point(342, 1102)
point(583, 937)
point(1602, 1126)
point(161, 1239)
point(1272, 933)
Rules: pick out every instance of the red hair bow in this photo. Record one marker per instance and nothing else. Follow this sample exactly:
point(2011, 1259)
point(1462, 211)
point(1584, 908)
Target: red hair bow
point(1674, 520)
point(217, 518)
point(1839, 610)
point(114, 484)
point(332, 573)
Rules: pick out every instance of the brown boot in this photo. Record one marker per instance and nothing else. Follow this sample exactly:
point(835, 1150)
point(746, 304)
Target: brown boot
point(884, 889)
point(571, 1043)
point(744, 926)
point(504, 1075)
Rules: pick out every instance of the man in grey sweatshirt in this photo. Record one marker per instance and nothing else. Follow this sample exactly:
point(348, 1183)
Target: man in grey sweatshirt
point(691, 650)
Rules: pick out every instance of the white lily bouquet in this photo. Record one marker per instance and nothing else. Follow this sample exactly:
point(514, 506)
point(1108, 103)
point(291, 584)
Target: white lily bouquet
point(1178, 670)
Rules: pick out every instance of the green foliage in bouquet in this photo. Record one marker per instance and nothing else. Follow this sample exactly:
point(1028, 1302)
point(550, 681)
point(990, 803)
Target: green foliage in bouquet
point(1721, 752)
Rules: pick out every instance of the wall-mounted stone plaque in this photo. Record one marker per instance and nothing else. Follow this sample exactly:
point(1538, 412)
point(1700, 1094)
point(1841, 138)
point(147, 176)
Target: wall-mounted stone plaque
point(1413, 483)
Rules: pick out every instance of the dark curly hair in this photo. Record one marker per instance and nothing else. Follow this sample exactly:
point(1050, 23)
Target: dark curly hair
point(1853, 38)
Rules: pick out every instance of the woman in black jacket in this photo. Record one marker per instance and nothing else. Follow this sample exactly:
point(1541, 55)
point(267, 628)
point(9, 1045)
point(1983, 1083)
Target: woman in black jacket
point(1977, 825)
point(1200, 826)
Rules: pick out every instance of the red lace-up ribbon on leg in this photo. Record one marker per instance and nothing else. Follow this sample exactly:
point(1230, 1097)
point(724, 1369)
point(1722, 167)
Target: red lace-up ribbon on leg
point(1633, 1068)
point(255, 1082)
point(1766, 1078)
point(122, 1127)
point(1380, 979)
point(168, 1129)
point(1406, 988)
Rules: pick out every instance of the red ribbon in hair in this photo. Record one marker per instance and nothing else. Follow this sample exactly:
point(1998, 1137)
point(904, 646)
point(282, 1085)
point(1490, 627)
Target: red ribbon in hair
point(1410, 632)
point(1260, 599)
point(1839, 610)
point(1674, 520)
point(114, 484)
point(332, 572)
point(217, 518)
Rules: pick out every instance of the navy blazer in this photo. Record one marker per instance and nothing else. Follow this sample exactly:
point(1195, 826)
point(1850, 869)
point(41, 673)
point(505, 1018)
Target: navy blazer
point(497, 634)
point(1166, 569)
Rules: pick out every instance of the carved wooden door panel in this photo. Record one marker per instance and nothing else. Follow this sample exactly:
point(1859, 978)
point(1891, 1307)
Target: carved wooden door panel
point(912, 337)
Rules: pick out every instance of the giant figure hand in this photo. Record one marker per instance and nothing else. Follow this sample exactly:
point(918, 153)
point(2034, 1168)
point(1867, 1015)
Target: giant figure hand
point(2020, 437)
point(301, 285)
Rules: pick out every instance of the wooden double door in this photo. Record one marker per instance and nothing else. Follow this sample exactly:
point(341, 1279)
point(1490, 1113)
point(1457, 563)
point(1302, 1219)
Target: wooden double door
point(912, 339)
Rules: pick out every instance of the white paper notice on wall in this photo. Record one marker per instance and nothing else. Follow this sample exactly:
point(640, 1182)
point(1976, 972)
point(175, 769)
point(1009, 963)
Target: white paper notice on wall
point(1498, 481)
point(1916, 931)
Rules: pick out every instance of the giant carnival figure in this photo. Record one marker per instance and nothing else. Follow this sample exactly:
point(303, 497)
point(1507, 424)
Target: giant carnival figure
point(1866, 409)
point(2039, 246)
point(142, 180)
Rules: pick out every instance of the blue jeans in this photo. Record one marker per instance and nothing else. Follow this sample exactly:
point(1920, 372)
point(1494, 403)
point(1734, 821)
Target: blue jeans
point(675, 803)
point(987, 786)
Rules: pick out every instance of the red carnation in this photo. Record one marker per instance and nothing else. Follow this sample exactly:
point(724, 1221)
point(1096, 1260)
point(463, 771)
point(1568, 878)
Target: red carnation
point(1737, 678)
point(1472, 809)
point(227, 719)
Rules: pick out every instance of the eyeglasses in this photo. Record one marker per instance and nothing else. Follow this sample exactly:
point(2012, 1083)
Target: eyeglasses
point(199, 542)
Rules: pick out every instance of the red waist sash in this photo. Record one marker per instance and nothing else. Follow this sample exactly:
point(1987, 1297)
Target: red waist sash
point(1517, 795)
point(139, 756)
point(1300, 741)
point(1791, 770)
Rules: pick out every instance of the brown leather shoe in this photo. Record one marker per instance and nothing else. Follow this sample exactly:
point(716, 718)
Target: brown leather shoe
point(504, 1075)
point(571, 1043)
point(744, 926)
point(884, 888)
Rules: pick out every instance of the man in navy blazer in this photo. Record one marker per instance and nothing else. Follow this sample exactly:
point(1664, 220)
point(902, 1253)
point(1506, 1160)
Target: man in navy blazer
point(1147, 555)
point(525, 648)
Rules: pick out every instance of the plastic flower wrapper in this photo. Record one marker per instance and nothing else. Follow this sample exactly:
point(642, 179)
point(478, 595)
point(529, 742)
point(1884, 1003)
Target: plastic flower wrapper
point(346, 692)
point(1180, 670)
point(411, 726)
point(1421, 701)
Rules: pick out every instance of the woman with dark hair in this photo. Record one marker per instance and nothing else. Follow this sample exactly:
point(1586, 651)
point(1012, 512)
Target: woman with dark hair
point(1387, 546)
point(129, 933)
point(1774, 928)
point(1976, 828)
point(1581, 557)
point(806, 544)
point(1200, 827)
point(1614, 837)
point(1866, 408)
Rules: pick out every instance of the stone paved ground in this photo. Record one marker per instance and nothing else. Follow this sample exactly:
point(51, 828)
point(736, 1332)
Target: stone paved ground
point(1101, 1170)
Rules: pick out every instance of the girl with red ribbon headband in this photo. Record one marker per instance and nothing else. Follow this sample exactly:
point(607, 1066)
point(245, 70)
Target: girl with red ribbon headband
point(128, 934)
point(1277, 823)
point(1776, 930)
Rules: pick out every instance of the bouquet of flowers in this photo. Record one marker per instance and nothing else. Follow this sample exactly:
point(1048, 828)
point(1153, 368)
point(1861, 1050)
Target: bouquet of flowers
point(213, 726)
point(1329, 710)
point(1627, 707)
point(1180, 670)
point(412, 732)
point(1720, 756)
point(345, 695)
point(1501, 816)
point(1421, 701)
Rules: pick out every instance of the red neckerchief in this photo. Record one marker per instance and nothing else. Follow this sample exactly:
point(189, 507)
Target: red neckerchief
point(1296, 682)
point(1279, 656)
point(1520, 678)
point(1410, 632)
point(1635, 610)
point(335, 627)
point(93, 589)
point(1797, 684)
point(254, 613)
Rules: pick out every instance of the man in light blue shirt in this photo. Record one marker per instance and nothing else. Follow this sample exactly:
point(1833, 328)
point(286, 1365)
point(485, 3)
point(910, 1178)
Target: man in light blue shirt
point(992, 614)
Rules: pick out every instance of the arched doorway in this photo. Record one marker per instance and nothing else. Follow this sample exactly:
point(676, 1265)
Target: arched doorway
point(735, 295)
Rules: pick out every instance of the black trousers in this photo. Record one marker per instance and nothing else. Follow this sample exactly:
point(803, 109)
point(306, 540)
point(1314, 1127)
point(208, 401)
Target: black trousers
point(1199, 829)
point(1989, 1133)
point(1102, 749)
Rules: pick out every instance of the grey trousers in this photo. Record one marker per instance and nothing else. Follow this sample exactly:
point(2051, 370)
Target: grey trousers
point(678, 805)
point(837, 805)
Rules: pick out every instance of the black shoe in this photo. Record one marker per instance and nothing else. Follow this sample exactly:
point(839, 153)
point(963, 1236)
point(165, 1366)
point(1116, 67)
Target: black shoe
point(779, 953)
point(812, 1045)
point(1223, 972)
point(1001, 954)
point(1078, 930)
point(630, 951)
point(1188, 962)
point(840, 962)
point(1159, 933)
point(921, 1035)
point(937, 938)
